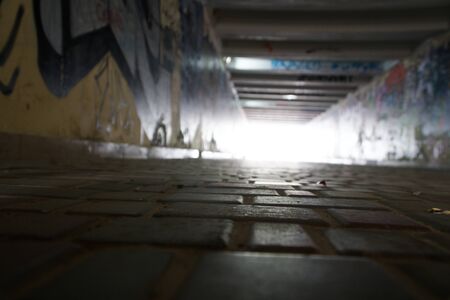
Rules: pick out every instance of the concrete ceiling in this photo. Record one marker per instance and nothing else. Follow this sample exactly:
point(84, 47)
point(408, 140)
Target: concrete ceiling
point(327, 4)
point(290, 60)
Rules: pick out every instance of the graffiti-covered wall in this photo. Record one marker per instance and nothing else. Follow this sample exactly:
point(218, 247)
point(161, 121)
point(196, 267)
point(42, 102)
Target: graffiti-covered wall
point(133, 71)
point(402, 115)
point(204, 84)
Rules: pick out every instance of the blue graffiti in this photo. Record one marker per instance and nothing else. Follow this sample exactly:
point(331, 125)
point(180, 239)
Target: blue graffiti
point(315, 65)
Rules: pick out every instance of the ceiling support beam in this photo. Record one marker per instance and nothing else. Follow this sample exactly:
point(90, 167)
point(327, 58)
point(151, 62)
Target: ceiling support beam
point(316, 99)
point(296, 80)
point(318, 50)
point(299, 76)
point(298, 24)
point(280, 90)
point(284, 111)
point(284, 104)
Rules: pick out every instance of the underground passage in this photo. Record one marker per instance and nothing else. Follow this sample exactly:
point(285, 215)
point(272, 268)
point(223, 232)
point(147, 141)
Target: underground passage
point(224, 149)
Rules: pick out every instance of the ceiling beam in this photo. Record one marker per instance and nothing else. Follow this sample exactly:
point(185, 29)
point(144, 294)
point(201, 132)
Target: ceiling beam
point(293, 91)
point(299, 76)
point(284, 111)
point(303, 117)
point(313, 67)
point(277, 119)
point(314, 98)
point(295, 84)
point(299, 80)
point(280, 118)
point(318, 50)
point(297, 24)
point(299, 117)
point(286, 88)
point(317, 5)
point(284, 103)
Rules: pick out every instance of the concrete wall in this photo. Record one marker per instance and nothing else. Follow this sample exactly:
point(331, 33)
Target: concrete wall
point(110, 70)
point(403, 115)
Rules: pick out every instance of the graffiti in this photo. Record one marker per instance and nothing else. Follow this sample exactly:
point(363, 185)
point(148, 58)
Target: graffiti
point(73, 37)
point(206, 97)
point(408, 108)
point(354, 67)
point(433, 73)
point(111, 69)
point(395, 77)
point(7, 88)
point(113, 110)
point(159, 137)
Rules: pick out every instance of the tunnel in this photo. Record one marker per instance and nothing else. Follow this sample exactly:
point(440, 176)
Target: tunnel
point(224, 149)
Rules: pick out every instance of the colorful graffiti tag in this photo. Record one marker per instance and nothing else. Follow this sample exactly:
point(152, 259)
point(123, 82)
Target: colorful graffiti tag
point(355, 67)
point(205, 86)
point(111, 70)
point(402, 115)
point(73, 36)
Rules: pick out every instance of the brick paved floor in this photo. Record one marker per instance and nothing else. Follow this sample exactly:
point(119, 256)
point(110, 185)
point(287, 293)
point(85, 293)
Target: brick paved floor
point(198, 229)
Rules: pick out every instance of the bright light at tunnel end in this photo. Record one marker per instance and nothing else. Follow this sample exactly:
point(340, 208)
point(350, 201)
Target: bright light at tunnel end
point(277, 141)
point(290, 97)
point(283, 142)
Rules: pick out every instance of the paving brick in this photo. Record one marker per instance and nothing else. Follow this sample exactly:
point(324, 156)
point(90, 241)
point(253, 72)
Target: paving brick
point(124, 196)
point(369, 218)
point(437, 196)
point(228, 184)
point(317, 202)
point(238, 185)
point(243, 212)
point(268, 236)
point(433, 276)
point(166, 231)
point(19, 260)
point(40, 205)
point(398, 195)
point(110, 186)
point(152, 188)
point(5, 200)
point(112, 208)
point(349, 194)
point(191, 178)
point(252, 276)
point(196, 197)
point(313, 188)
point(409, 205)
point(347, 241)
point(438, 222)
point(108, 274)
point(300, 193)
point(39, 225)
point(231, 191)
point(146, 180)
point(41, 182)
point(353, 189)
point(272, 224)
point(276, 183)
point(437, 238)
point(44, 192)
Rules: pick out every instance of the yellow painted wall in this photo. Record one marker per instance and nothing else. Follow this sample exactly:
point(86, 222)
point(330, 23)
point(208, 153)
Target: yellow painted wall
point(92, 110)
point(159, 67)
